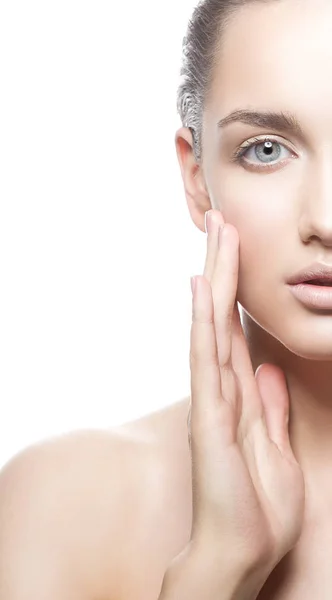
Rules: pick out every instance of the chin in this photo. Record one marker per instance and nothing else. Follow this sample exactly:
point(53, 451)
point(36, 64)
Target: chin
point(312, 343)
point(307, 333)
point(303, 332)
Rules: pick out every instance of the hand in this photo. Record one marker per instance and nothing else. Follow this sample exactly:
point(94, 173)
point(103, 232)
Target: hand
point(248, 488)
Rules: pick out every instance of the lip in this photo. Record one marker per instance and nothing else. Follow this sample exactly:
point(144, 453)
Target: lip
point(313, 296)
point(314, 271)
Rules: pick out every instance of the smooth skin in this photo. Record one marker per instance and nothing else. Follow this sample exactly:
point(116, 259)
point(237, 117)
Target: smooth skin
point(68, 526)
point(243, 464)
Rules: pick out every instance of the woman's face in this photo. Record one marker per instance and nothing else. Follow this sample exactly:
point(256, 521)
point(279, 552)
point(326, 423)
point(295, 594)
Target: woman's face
point(276, 57)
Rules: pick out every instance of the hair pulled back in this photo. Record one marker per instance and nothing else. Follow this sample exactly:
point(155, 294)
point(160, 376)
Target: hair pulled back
point(200, 48)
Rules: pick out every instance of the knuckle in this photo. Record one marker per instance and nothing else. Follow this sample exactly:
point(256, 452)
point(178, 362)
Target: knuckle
point(227, 370)
point(203, 360)
point(229, 316)
point(224, 355)
point(199, 317)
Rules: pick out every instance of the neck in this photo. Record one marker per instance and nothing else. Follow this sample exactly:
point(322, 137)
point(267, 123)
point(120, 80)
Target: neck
point(309, 385)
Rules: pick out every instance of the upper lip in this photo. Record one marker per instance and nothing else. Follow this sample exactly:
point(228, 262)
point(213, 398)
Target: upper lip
point(315, 271)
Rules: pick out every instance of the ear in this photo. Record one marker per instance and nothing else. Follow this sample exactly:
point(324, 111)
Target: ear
point(197, 196)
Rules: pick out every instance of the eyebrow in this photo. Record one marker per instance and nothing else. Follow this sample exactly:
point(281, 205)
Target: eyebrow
point(282, 121)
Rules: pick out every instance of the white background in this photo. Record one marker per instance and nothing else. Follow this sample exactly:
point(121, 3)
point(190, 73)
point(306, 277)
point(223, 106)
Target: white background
point(96, 242)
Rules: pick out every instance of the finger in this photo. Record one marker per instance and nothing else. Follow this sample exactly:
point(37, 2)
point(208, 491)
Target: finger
point(240, 353)
point(206, 393)
point(252, 408)
point(212, 218)
point(224, 287)
point(215, 219)
point(273, 390)
point(244, 362)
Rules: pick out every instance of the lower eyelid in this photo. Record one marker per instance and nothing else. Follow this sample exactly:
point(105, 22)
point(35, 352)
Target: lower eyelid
point(261, 168)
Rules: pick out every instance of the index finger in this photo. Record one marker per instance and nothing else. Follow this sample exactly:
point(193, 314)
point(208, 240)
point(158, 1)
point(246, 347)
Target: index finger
point(240, 356)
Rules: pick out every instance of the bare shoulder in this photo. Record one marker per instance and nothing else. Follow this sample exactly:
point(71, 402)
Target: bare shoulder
point(97, 508)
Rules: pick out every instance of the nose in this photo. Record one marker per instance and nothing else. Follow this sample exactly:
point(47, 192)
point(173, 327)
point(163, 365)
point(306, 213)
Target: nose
point(316, 217)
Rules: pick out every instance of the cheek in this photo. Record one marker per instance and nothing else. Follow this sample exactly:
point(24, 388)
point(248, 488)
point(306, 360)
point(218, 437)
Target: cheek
point(259, 214)
point(261, 244)
point(259, 207)
point(255, 255)
point(257, 202)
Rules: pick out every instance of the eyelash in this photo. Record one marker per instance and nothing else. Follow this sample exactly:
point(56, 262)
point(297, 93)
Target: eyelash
point(237, 156)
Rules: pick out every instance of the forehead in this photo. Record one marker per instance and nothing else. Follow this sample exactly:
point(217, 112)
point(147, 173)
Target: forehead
point(276, 54)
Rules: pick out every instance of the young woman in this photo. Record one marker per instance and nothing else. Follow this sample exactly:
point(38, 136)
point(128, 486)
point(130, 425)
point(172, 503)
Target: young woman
point(242, 511)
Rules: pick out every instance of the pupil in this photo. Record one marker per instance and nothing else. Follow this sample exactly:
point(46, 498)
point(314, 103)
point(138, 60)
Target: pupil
point(268, 148)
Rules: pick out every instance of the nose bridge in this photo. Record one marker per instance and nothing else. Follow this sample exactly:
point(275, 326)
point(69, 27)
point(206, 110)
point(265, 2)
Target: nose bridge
point(317, 211)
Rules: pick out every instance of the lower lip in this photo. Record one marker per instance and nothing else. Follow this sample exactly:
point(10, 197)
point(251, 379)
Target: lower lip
point(313, 296)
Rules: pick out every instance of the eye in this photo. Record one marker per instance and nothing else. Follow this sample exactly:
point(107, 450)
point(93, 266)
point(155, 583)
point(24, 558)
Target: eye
point(266, 151)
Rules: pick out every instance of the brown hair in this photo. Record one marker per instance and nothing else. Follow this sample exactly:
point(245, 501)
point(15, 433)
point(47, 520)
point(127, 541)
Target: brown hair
point(200, 47)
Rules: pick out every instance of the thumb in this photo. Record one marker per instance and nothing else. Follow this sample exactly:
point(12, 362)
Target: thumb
point(272, 387)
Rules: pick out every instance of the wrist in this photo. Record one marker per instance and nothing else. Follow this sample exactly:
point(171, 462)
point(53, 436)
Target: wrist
point(198, 577)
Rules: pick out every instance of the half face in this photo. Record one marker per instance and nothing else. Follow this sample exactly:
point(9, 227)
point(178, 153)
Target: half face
point(271, 174)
